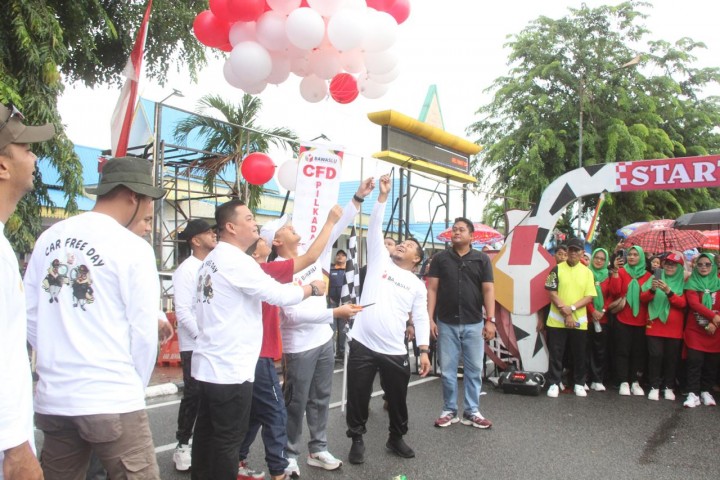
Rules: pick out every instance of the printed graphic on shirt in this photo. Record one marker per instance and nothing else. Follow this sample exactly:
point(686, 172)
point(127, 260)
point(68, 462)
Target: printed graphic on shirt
point(551, 283)
point(205, 287)
point(386, 276)
point(81, 286)
point(55, 279)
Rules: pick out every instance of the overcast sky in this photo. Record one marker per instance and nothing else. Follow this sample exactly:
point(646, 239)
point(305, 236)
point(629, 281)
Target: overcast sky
point(454, 44)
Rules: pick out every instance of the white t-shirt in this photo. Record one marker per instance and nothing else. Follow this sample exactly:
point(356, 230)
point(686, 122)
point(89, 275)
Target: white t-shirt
point(230, 287)
point(16, 413)
point(184, 291)
point(307, 325)
point(93, 296)
point(395, 292)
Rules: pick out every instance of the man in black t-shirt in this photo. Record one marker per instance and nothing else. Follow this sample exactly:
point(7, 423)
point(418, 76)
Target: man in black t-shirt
point(460, 284)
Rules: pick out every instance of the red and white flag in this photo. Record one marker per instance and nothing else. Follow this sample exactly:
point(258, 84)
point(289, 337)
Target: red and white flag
point(124, 112)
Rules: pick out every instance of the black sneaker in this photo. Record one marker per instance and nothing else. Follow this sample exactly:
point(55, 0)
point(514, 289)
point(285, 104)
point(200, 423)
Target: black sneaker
point(357, 451)
point(398, 446)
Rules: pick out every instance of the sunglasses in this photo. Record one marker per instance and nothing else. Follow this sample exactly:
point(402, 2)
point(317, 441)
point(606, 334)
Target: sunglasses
point(14, 113)
point(703, 264)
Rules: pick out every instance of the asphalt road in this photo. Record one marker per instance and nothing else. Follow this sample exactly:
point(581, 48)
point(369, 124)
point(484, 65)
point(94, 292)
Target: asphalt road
point(599, 437)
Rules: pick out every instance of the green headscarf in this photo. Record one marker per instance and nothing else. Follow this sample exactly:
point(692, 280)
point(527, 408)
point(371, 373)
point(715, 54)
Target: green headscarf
point(600, 274)
point(637, 271)
point(707, 284)
point(659, 306)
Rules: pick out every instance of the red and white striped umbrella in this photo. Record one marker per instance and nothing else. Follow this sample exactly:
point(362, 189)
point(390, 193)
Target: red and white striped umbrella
point(482, 235)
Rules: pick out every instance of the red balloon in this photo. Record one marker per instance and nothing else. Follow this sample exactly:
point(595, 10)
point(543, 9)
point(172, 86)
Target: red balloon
point(343, 88)
point(210, 30)
point(245, 10)
point(400, 10)
point(220, 9)
point(380, 5)
point(257, 168)
point(304, 3)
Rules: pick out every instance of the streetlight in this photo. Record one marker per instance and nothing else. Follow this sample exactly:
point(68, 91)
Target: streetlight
point(581, 95)
point(158, 174)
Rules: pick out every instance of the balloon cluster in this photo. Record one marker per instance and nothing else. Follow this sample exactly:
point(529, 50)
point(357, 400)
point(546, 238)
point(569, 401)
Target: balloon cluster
point(338, 47)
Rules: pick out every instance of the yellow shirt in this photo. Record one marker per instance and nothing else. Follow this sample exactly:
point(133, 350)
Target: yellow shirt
point(571, 284)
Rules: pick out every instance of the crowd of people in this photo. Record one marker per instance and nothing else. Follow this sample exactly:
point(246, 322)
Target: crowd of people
point(635, 322)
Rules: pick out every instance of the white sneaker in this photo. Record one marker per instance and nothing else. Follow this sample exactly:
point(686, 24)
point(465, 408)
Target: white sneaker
point(561, 386)
point(707, 399)
point(668, 394)
point(636, 389)
point(182, 457)
point(580, 391)
point(324, 460)
point(654, 394)
point(553, 391)
point(587, 389)
point(625, 389)
point(292, 470)
point(692, 401)
point(247, 473)
point(598, 387)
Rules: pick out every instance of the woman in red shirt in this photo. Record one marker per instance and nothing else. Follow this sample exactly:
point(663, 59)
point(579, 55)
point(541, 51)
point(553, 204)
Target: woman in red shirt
point(666, 314)
point(629, 330)
point(597, 333)
point(701, 331)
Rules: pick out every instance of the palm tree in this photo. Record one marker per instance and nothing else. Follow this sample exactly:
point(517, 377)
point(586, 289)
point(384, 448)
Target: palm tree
point(231, 141)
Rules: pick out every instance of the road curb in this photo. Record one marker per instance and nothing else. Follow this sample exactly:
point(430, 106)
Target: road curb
point(161, 389)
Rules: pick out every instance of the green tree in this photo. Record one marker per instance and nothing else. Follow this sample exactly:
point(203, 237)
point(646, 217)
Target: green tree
point(46, 43)
point(232, 140)
point(657, 110)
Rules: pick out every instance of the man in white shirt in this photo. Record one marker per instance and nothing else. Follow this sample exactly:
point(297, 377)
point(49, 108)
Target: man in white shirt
point(307, 337)
point(17, 163)
point(94, 362)
point(392, 292)
point(201, 239)
point(230, 289)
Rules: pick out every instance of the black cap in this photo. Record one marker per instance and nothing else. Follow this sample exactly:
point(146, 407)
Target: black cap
point(341, 251)
point(576, 243)
point(194, 227)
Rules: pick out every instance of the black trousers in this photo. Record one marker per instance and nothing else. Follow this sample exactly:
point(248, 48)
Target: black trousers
point(629, 351)
point(597, 353)
point(190, 401)
point(220, 428)
point(394, 370)
point(557, 338)
point(663, 358)
point(702, 370)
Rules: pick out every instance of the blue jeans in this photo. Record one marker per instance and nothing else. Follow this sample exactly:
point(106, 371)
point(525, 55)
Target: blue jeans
point(453, 341)
point(268, 411)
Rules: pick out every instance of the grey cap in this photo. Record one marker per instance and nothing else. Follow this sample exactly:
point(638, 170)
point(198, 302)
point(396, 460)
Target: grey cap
point(131, 172)
point(13, 130)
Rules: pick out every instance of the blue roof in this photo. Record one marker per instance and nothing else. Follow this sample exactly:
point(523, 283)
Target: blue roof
point(51, 177)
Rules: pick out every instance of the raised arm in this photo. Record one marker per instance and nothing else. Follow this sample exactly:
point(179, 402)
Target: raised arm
point(320, 242)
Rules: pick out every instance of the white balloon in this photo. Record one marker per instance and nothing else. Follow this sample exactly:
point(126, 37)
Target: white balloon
point(242, 32)
point(271, 31)
point(230, 76)
point(352, 61)
point(287, 174)
point(300, 66)
point(250, 62)
point(354, 4)
point(325, 62)
point(313, 89)
point(255, 89)
point(371, 89)
point(295, 52)
point(284, 6)
point(381, 62)
point(346, 29)
point(280, 68)
point(325, 8)
point(382, 31)
point(305, 28)
point(385, 77)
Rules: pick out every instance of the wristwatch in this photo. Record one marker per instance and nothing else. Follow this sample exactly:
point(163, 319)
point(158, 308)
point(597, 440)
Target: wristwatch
point(573, 308)
point(424, 350)
point(315, 291)
point(490, 319)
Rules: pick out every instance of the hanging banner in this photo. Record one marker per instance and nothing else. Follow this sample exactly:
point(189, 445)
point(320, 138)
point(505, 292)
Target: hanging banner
point(317, 188)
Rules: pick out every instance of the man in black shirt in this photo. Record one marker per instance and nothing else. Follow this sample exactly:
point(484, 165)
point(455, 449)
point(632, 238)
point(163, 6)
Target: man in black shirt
point(460, 283)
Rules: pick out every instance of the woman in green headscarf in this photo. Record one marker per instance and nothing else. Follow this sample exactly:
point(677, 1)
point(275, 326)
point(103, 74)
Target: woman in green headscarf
point(598, 333)
point(701, 331)
point(666, 314)
point(629, 330)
